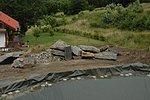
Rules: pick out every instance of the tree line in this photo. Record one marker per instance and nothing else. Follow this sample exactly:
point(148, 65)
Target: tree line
point(27, 12)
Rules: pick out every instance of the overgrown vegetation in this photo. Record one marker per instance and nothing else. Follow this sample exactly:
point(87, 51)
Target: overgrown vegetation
point(44, 41)
point(131, 18)
point(127, 27)
point(53, 21)
point(75, 21)
point(27, 12)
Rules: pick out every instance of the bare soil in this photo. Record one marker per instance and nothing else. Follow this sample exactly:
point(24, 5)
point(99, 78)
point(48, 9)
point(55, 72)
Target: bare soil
point(126, 56)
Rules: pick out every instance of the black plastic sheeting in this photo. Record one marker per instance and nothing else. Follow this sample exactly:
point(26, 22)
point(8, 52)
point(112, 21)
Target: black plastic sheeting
point(135, 68)
point(130, 88)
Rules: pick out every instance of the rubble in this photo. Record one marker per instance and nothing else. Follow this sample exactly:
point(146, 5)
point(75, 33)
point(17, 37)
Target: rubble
point(23, 63)
point(61, 51)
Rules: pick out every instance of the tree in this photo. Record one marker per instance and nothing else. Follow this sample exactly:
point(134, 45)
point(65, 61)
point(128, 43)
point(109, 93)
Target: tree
point(25, 11)
point(78, 5)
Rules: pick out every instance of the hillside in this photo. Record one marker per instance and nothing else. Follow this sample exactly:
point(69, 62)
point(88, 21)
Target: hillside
point(89, 22)
point(87, 28)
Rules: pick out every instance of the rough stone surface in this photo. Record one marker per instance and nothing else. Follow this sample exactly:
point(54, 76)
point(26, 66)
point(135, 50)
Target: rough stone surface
point(59, 45)
point(58, 53)
point(87, 55)
point(106, 55)
point(76, 50)
point(89, 48)
point(103, 48)
point(23, 62)
point(8, 55)
point(32, 59)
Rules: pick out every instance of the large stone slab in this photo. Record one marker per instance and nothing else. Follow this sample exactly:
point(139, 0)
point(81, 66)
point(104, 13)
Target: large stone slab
point(76, 50)
point(87, 55)
point(10, 57)
point(89, 48)
point(58, 53)
point(106, 55)
point(59, 45)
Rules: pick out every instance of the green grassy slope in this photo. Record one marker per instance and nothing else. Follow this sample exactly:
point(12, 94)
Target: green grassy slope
point(129, 39)
point(79, 31)
point(44, 41)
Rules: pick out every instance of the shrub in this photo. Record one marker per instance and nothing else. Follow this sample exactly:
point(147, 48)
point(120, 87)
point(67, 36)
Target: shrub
point(36, 32)
point(83, 12)
point(52, 21)
point(47, 29)
point(130, 18)
point(60, 14)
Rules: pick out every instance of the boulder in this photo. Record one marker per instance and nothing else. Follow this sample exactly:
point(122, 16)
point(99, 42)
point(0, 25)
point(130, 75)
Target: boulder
point(59, 45)
point(87, 55)
point(106, 55)
point(89, 48)
point(23, 62)
point(76, 50)
point(58, 53)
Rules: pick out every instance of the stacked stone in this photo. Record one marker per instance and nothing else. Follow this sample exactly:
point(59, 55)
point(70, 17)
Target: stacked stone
point(56, 52)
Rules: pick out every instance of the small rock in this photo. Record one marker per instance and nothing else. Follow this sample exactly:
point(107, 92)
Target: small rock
point(4, 95)
point(94, 77)
point(17, 91)
point(72, 78)
point(49, 84)
point(130, 74)
point(78, 78)
point(10, 93)
point(121, 74)
point(127, 75)
point(105, 76)
point(148, 75)
point(102, 76)
point(43, 85)
point(64, 79)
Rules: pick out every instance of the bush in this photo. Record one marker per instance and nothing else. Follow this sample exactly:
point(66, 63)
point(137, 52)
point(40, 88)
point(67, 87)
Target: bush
point(35, 31)
point(47, 29)
point(52, 21)
point(60, 14)
point(130, 18)
point(83, 12)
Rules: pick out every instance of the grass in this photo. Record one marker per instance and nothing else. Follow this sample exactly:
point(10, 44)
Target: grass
point(114, 36)
point(127, 39)
point(146, 6)
point(80, 24)
point(45, 41)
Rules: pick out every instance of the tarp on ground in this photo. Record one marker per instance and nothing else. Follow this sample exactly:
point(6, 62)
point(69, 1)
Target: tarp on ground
point(136, 87)
point(130, 88)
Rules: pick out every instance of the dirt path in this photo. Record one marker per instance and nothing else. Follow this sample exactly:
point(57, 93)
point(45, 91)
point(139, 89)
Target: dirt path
point(126, 56)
